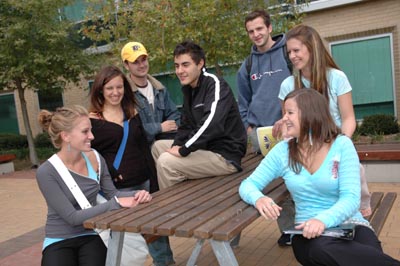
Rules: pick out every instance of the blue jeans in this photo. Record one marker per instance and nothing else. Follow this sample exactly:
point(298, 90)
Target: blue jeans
point(161, 252)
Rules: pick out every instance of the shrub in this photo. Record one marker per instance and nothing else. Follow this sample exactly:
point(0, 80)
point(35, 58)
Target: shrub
point(45, 153)
point(13, 141)
point(42, 140)
point(379, 124)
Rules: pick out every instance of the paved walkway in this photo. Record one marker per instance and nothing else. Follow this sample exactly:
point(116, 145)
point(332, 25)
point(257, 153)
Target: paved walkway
point(23, 211)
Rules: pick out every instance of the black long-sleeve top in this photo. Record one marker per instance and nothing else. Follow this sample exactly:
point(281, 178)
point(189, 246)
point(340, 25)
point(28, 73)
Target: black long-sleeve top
point(137, 164)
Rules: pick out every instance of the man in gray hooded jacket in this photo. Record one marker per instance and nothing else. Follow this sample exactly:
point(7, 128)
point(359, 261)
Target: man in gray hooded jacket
point(259, 80)
point(261, 74)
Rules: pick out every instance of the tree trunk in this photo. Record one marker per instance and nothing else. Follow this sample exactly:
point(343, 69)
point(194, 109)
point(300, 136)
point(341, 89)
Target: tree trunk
point(32, 151)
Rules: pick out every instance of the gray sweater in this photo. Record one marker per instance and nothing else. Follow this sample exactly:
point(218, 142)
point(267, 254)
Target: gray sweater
point(64, 217)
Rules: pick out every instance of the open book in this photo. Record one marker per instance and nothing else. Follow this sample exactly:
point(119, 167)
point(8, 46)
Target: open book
point(265, 139)
point(343, 231)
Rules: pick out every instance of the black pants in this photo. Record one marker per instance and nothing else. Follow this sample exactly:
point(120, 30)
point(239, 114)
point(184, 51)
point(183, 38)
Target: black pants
point(364, 250)
point(78, 251)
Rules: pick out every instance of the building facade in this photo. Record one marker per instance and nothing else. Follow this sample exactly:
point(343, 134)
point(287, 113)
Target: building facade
point(363, 36)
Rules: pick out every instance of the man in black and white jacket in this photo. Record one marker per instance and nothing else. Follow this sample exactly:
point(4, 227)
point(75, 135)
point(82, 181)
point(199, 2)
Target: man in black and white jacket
point(211, 139)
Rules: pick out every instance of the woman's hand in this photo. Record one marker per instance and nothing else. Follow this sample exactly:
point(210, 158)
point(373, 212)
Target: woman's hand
point(312, 228)
point(277, 129)
point(142, 196)
point(128, 202)
point(268, 208)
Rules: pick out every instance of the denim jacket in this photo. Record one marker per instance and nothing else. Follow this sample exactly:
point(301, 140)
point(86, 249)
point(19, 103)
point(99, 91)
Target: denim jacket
point(164, 108)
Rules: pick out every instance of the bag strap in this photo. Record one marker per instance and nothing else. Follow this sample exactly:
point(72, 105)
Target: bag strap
point(69, 181)
point(121, 149)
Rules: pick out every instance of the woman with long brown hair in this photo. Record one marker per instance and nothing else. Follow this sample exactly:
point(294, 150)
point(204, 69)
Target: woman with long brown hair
point(321, 170)
point(121, 139)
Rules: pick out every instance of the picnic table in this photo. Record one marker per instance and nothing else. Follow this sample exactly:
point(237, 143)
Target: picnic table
point(207, 209)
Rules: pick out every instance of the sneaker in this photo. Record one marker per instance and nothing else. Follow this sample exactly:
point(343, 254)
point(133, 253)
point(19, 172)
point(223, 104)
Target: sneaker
point(285, 240)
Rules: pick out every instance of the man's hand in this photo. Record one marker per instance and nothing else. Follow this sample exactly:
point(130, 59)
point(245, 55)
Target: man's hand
point(174, 150)
point(168, 125)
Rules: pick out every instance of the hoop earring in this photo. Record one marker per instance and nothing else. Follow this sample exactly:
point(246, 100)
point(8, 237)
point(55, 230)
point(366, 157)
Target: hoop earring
point(68, 147)
point(310, 137)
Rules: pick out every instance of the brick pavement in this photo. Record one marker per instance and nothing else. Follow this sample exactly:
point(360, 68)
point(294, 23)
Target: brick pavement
point(23, 210)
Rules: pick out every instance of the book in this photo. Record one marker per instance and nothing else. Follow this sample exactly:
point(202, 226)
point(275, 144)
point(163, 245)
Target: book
point(265, 139)
point(343, 231)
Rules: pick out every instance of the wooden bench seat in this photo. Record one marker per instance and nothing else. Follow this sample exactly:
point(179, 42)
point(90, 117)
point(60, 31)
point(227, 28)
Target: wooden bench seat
point(381, 204)
point(379, 152)
point(5, 158)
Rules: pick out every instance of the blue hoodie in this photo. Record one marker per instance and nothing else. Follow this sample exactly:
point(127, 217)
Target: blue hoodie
point(258, 92)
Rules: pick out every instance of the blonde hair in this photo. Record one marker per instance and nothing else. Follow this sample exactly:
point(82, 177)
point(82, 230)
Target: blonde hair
point(62, 119)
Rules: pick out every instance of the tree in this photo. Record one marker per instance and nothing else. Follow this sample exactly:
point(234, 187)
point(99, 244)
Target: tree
point(37, 51)
point(217, 25)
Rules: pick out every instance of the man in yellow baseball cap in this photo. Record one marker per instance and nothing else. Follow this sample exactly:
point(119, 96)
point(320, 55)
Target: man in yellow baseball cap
point(158, 112)
point(132, 50)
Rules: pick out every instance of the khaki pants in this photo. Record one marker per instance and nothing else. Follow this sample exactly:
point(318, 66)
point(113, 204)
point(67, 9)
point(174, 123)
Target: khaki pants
point(199, 164)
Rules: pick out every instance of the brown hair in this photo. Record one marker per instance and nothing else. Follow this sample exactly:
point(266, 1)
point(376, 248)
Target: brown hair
point(62, 119)
point(320, 59)
point(106, 74)
point(316, 125)
point(258, 13)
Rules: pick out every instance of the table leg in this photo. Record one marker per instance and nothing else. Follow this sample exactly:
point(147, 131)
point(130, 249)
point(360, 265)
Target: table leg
point(195, 253)
point(114, 251)
point(224, 253)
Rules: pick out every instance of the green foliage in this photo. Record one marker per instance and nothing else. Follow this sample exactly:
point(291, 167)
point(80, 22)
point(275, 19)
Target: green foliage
point(218, 26)
point(37, 50)
point(12, 141)
point(23, 153)
point(379, 124)
point(43, 140)
point(45, 152)
point(18, 145)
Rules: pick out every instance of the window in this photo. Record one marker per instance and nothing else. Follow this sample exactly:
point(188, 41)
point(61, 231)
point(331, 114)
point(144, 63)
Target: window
point(8, 114)
point(50, 99)
point(369, 66)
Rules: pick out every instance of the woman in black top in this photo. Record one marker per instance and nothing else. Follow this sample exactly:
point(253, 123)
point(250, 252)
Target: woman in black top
point(111, 103)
